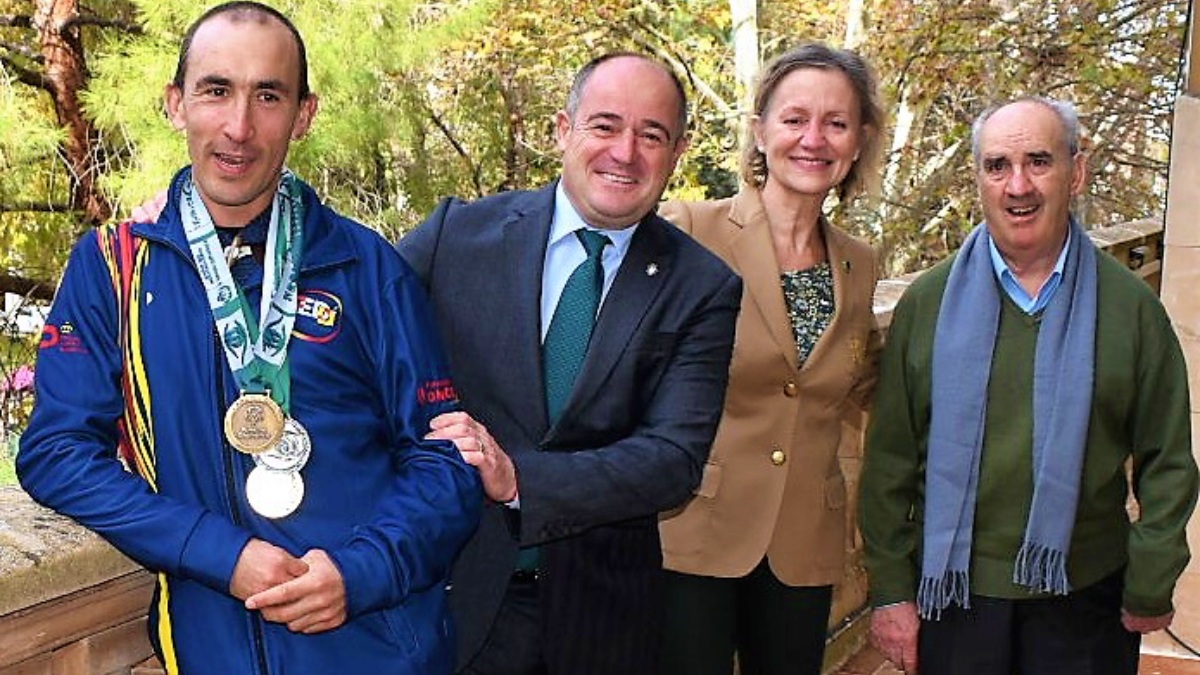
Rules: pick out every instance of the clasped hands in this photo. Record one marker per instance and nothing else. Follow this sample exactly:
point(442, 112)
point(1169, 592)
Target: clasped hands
point(307, 594)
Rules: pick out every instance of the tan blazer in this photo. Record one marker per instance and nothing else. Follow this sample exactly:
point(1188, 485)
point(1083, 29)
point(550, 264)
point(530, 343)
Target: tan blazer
point(773, 485)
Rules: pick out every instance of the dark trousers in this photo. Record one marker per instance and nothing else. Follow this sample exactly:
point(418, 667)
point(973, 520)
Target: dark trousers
point(1079, 633)
point(514, 645)
point(774, 629)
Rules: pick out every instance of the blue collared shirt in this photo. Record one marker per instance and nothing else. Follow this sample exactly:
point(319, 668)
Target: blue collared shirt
point(564, 252)
point(1027, 303)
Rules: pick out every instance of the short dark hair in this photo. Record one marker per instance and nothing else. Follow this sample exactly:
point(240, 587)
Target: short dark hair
point(575, 96)
point(242, 10)
point(870, 110)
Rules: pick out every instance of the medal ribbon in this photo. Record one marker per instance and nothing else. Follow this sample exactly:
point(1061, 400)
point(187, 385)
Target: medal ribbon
point(257, 357)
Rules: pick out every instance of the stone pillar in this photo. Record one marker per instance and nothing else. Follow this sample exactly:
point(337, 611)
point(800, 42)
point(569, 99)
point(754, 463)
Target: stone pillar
point(1181, 259)
point(1181, 288)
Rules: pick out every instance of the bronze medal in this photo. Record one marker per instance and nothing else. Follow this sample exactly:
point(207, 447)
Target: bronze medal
point(274, 494)
point(254, 423)
point(292, 451)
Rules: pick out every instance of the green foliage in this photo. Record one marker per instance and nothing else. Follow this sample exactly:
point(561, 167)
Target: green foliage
point(16, 353)
point(422, 99)
point(8, 474)
point(28, 141)
point(359, 54)
point(943, 61)
point(8, 456)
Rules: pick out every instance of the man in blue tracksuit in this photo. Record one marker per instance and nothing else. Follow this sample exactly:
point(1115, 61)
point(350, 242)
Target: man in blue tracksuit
point(267, 370)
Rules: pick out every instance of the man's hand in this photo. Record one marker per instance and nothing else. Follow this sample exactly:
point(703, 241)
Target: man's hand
point(149, 211)
point(311, 603)
point(1145, 624)
point(894, 633)
point(480, 450)
point(261, 566)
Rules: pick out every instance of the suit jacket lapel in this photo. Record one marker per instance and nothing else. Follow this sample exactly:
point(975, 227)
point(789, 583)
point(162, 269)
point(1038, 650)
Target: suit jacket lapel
point(646, 268)
point(524, 262)
point(754, 255)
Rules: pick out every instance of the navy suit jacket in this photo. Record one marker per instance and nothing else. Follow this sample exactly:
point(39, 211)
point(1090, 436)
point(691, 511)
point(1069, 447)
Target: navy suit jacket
point(631, 442)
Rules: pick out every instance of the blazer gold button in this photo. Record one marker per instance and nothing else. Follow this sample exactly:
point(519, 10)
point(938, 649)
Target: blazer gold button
point(790, 390)
point(778, 457)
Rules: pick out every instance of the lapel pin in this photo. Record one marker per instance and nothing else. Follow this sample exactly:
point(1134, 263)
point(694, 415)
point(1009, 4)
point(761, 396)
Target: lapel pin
point(651, 269)
point(846, 265)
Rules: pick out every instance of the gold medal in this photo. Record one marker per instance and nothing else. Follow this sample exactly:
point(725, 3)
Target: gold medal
point(254, 423)
point(274, 494)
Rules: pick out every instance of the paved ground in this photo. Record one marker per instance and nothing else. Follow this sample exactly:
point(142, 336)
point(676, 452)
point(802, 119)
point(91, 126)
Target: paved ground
point(869, 662)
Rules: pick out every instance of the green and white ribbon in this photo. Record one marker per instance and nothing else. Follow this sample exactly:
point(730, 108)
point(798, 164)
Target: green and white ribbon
point(258, 358)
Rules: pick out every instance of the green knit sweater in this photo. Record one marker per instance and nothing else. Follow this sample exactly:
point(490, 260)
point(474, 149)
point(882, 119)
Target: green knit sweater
point(1140, 409)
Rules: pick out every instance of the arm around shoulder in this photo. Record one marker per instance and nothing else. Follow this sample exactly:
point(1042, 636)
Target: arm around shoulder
point(419, 246)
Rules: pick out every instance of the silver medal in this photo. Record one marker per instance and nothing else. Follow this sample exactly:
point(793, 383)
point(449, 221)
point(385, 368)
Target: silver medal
point(291, 452)
point(274, 494)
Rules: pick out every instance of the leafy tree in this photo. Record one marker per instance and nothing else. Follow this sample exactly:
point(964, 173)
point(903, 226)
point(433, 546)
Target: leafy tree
point(50, 154)
point(424, 99)
point(361, 54)
point(501, 85)
point(943, 62)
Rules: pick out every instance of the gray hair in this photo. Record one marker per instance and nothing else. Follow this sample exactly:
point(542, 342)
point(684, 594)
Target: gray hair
point(1067, 116)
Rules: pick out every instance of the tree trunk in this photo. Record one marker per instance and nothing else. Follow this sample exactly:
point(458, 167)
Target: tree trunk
point(744, 14)
point(66, 75)
point(856, 32)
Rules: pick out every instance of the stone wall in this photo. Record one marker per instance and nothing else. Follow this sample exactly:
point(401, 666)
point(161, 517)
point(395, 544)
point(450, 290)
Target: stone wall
point(69, 603)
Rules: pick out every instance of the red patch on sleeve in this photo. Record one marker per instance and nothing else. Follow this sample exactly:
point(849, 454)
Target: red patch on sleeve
point(437, 391)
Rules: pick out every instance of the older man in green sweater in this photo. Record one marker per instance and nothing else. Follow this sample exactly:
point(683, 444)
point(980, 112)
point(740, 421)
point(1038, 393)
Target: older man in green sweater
point(1018, 379)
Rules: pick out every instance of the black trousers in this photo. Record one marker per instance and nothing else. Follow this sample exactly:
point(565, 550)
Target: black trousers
point(514, 645)
point(1076, 634)
point(774, 629)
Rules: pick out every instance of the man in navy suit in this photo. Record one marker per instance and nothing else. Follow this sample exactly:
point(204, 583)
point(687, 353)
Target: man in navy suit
point(577, 491)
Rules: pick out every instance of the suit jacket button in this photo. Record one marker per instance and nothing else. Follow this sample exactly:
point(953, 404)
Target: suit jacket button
point(778, 457)
point(790, 390)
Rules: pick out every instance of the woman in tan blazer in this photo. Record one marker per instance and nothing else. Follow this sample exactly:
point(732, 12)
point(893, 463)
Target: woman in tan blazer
point(753, 557)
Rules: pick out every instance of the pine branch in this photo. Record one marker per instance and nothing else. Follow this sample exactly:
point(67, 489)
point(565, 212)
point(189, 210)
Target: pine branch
point(476, 171)
point(35, 207)
point(129, 27)
point(36, 289)
point(16, 21)
point(25, 75)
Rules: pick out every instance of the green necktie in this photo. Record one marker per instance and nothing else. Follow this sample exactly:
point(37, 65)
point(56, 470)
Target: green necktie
point(567, 338)
point(567, 342)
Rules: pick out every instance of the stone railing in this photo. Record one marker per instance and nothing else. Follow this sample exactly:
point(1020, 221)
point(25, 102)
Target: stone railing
point(71, 604)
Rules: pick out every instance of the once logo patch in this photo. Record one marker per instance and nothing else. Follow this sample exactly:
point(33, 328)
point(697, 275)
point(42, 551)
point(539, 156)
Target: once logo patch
point(436, 391)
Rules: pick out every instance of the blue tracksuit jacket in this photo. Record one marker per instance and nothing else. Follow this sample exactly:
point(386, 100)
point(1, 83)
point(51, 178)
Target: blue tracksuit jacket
point(367, 375)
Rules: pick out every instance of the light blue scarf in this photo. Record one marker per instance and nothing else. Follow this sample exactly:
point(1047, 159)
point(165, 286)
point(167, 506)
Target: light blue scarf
point(1063, 372)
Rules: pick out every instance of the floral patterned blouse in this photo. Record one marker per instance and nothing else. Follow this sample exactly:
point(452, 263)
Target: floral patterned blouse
point(809, 297)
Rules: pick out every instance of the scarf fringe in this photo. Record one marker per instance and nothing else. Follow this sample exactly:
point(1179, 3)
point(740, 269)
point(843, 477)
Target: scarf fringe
point(1041, 568)
point(934, 594)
